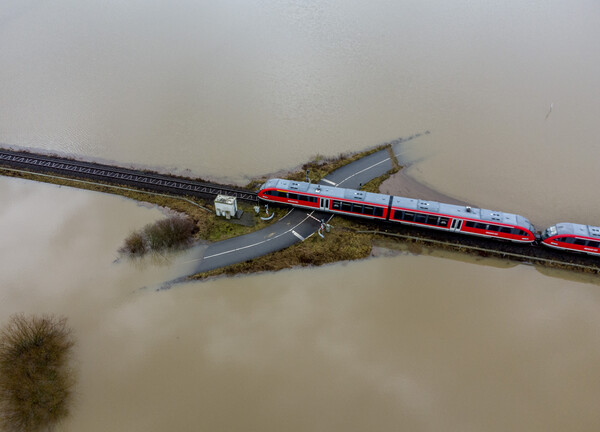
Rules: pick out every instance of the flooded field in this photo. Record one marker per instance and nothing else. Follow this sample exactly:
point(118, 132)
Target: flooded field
point(365, 345)
point(236, 89)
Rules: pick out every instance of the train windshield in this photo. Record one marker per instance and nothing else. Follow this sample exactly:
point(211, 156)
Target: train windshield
point(549, 232)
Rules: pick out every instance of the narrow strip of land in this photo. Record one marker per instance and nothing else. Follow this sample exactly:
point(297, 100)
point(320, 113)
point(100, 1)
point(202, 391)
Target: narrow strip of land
point(298, 224)
point(121, 176)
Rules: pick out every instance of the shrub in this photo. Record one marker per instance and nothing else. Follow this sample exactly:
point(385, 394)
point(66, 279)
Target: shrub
point(135, 244)
point(35, 377)
point(172, 232)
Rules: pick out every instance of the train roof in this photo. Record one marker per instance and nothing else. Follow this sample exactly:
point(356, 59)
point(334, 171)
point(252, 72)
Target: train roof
point(462, 211)
point(330, 191)
point(408, 203)
point(577, 229)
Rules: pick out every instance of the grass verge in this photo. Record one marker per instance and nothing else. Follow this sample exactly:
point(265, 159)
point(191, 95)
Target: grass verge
point(209, 227)
point(341, 244)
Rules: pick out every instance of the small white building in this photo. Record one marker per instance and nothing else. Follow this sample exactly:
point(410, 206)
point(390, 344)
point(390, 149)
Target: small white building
point(226, 206)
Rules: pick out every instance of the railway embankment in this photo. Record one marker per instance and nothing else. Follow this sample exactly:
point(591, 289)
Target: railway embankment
point(349, 238)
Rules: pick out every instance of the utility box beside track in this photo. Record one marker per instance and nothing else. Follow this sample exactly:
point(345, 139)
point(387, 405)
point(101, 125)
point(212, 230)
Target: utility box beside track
point(226, 205)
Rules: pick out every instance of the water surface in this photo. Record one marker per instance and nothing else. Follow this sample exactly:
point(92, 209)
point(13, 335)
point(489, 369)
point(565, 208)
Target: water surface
point(234, 89)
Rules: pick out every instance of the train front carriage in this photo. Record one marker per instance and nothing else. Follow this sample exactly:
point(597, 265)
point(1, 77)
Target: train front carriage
point(299, 194)
point(573, 237)
point(326, 198)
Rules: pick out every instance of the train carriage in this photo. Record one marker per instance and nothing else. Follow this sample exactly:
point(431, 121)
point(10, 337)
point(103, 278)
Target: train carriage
point(326, 198)
point(573, 237)
point(408, 211)
point(463, 219)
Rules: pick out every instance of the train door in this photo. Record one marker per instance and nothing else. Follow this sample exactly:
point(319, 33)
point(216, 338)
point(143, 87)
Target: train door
point(456, 224)
point(324, 204)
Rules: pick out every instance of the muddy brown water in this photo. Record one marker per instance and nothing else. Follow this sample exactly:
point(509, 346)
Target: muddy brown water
point(232, 90)
point(430, 342)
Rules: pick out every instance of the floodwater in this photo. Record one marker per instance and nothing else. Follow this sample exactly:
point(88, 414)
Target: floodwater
point(234, 89)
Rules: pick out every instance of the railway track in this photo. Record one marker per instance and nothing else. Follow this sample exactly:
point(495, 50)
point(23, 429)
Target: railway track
point(187, 187)
point(121, 176)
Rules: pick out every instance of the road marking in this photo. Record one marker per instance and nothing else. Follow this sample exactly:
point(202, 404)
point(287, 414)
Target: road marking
point(363, 170)
point(258, 243)
point(367, 168)
point(298, 235)
point(308, 215)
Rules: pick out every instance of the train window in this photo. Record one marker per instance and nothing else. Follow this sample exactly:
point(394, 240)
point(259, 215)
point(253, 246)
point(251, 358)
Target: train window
point(421, 218)
point(480, 226)
point(336, 205)
point(378, 212)
point(581, 242)
point(592, 243)
point(470, 224)
point(432, 220)
point(292, 196)
point(493, 228)
point(346, 206)
point(281, 194)
point(443, 222)
point(408, 216)
point(397, 215)
point(566, 240)
point(357, 208)
point(505, 230)
point(368, 210)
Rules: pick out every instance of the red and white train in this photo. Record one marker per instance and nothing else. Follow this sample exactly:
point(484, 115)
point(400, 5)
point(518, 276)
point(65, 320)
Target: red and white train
point(428, 214)
point(573, 237)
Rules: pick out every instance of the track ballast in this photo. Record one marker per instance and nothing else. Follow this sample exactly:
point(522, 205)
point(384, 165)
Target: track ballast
point(121, 176)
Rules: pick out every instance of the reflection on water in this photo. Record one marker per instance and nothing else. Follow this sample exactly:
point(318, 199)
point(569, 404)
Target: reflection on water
point(570, 276)
point(393, 248)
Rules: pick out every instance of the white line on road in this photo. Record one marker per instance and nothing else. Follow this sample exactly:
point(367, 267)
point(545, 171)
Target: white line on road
point(363, 170)
point(328, 181)
point(367, 168)
point(291, 230)
point(260, 242)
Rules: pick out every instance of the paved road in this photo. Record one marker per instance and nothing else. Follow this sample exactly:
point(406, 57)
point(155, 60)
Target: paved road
point(298, 224)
